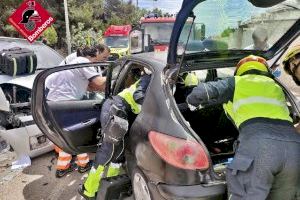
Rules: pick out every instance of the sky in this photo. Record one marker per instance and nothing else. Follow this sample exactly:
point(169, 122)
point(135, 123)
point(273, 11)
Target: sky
point(171, 6)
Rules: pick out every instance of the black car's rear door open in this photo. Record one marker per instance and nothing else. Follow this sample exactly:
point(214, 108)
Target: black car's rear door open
point(77, 121)
point(71, 124)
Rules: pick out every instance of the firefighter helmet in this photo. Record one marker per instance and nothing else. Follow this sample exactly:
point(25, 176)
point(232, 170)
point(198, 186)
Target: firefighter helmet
point(291, 54)
point(251, 63)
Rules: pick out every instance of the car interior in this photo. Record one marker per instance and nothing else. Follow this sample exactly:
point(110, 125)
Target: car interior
point(215, 129)
point(133, 74)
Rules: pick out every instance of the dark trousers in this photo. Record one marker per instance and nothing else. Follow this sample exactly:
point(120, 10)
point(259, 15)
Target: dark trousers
point(108, 152)
point(265, 166)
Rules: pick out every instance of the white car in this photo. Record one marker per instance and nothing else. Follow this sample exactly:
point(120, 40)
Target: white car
point(17, 127)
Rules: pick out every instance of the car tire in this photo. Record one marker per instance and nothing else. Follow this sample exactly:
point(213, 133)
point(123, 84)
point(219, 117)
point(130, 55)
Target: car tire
point(140, 186)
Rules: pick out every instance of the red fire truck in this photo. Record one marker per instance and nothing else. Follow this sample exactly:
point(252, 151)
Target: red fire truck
point(159, 29)
point(156, 31)
point(117, 39)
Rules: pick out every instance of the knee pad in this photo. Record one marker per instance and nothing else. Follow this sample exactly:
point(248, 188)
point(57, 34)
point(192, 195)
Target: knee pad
point(115, 130)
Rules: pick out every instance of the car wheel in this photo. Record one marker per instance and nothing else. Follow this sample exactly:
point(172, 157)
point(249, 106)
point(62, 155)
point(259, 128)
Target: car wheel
point(140, 187)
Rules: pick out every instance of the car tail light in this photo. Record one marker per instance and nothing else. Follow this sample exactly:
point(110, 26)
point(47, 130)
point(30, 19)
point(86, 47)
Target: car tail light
point(184, 154)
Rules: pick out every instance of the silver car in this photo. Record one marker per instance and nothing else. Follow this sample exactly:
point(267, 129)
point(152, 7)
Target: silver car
point(17, 128)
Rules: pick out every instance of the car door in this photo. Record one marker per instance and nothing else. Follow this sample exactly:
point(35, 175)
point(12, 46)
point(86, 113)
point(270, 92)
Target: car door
point(73, 125)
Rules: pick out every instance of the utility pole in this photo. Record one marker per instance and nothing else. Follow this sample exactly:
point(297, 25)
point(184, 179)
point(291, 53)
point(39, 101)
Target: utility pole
point(153, 4)
point(68, 34)
point(137, 3)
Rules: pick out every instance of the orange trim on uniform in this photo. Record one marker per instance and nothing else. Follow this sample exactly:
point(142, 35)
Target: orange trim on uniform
point(63, 160)
point(57, 149)
point(82, 159)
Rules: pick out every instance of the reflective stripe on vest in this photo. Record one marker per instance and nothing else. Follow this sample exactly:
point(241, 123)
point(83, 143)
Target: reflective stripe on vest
point(256, 96)
point(127, 95)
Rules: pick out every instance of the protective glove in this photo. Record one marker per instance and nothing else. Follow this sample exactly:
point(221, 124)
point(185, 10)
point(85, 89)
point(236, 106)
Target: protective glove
point(193, 108)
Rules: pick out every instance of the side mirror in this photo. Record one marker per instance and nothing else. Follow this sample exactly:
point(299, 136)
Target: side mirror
point(136, 41)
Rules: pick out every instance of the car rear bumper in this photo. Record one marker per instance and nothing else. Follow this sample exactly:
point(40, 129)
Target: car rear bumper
point(201, 192)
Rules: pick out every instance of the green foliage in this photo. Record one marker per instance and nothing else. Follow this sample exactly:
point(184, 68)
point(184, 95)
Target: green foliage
point(227, 32)
point(81, 37)
point(200, 32)
point(157, 11)
point(51, 35)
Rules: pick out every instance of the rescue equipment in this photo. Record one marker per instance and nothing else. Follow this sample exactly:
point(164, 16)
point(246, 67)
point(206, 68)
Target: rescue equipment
point(17, 61)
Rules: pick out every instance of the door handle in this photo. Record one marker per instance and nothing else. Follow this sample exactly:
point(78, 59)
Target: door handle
point(88, 122)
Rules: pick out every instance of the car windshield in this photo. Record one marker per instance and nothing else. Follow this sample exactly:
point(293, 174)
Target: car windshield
point(161, 32)
point(116, 41)
point(239, 25)
point(46, 57)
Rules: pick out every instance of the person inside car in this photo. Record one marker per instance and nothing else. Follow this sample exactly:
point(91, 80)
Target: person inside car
point(291, 63)
point(72, 85)
point(114, 121)
point(266, 164)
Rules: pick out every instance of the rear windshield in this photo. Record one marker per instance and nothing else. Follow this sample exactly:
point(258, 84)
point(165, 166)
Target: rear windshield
point(237, 24)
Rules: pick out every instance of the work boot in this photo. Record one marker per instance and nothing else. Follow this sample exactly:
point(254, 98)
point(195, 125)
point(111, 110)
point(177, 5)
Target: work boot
point(113, 170)
point(81, 190)
point(62, 172)
point(92, 183)
point(85, 168)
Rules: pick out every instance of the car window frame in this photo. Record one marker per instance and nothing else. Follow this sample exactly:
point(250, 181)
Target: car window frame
point(38, 107)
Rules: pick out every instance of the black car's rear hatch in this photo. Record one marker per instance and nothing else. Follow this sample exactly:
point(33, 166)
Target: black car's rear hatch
point(226, 31)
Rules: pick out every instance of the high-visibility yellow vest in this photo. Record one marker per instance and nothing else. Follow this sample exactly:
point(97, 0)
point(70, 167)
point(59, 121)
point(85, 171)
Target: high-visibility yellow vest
point(256, 96)
point(127, 95)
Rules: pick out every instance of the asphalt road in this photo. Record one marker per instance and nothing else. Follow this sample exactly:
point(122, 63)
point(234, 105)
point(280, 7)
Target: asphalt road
point(38, 182)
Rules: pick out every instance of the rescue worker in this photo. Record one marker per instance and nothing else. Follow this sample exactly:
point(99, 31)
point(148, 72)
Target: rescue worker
point(266, 164)
point(114, 121)
point(291, 63)
point(72, 85)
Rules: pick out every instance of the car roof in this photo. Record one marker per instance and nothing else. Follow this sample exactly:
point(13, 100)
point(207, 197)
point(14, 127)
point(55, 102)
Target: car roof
point(157, 59)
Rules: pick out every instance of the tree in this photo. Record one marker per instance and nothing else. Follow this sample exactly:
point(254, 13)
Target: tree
point(227, 32)
point(51, 35)
point(82, 37)
point(88, 18)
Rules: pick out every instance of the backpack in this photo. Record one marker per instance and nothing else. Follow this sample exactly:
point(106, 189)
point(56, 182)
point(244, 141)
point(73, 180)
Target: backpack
point(18, 61)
